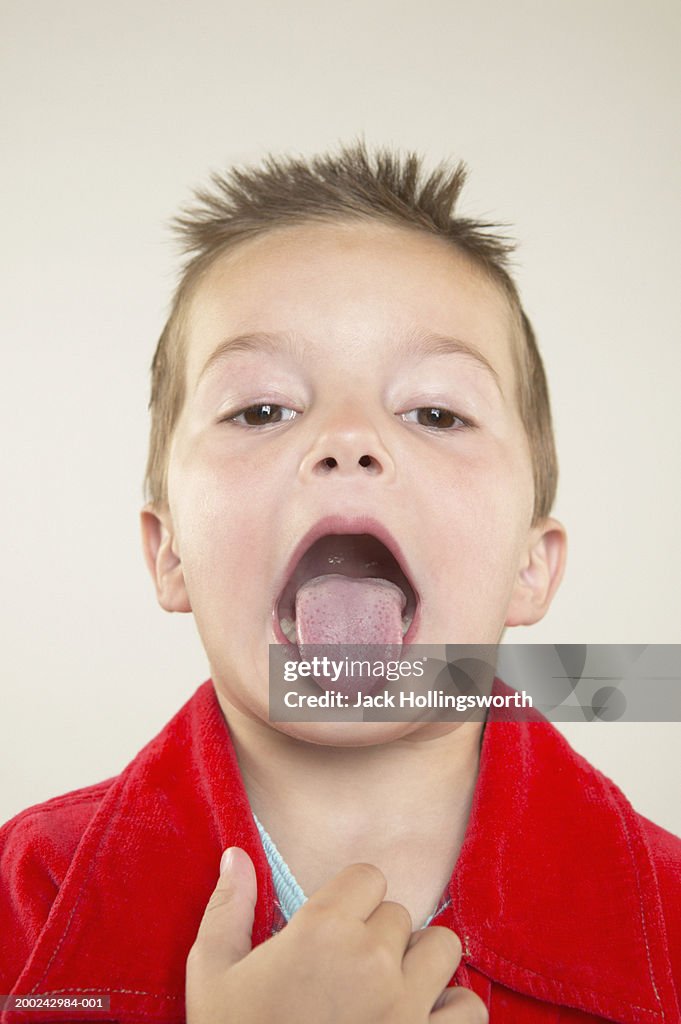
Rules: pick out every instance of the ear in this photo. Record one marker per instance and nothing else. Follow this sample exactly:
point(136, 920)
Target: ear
point(163, 561)
point(539, 575)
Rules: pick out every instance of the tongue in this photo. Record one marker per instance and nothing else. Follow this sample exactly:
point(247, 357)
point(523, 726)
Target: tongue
point(337, 609)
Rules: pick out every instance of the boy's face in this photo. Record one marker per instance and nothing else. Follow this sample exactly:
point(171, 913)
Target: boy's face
point(368, 330)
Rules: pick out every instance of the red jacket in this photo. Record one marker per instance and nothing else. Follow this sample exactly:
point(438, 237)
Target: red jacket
point(567, 902)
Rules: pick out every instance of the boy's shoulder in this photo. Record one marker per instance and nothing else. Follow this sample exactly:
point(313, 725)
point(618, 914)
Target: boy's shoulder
point(48, 833)
point(59, 821)
point(87, 877)
point(567, 892)
point(37, 847)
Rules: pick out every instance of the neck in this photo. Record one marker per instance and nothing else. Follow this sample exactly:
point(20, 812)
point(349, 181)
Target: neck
point(379, 794)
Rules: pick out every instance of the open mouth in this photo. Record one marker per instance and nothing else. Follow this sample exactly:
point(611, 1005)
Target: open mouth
point(346, 588)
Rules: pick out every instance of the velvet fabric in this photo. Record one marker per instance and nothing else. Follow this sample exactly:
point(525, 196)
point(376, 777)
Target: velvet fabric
point(567, 902)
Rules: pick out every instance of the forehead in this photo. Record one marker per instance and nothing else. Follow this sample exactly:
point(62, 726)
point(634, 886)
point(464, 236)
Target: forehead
point(348, 284)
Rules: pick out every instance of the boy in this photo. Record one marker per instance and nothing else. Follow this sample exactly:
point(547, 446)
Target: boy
point(347, 381)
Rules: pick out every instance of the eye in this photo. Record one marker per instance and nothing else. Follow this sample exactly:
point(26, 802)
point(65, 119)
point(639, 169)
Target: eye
point(262, 414)
point(435, 416)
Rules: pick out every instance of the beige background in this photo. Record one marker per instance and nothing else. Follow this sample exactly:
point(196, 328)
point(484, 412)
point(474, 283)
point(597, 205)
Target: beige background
point(567, 112)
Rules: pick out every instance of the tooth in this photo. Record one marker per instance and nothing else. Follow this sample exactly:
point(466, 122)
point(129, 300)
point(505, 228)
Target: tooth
point(288, 628)
point(406, 623)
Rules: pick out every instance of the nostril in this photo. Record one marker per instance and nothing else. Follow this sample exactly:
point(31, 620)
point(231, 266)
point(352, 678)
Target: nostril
point(365, 461)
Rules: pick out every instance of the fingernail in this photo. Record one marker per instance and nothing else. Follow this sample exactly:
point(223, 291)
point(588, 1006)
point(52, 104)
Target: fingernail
point(227, 859)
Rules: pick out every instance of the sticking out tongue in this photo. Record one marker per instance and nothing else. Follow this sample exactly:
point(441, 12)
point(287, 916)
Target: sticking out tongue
point(337, 609)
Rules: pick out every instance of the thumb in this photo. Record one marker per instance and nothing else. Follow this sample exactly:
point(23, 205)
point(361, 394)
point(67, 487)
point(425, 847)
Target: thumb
point(227, 925)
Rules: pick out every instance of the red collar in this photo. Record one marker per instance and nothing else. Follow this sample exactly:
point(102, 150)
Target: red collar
point(553, 895)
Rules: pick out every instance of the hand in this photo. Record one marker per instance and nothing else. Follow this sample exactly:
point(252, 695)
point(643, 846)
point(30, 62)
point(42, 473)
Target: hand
point(346, 957)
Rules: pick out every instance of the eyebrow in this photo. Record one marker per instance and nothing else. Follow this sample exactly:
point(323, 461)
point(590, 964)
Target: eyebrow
point(424, 343)
point(258, 341)
point(417, 343)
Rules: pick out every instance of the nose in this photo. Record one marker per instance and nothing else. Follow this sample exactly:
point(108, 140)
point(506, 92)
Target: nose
point(348, 446)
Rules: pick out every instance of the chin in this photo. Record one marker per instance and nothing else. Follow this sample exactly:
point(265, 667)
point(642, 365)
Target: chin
point(344, 734)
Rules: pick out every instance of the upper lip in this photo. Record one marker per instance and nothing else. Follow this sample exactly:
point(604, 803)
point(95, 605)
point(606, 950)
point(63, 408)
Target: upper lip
point(338, 524)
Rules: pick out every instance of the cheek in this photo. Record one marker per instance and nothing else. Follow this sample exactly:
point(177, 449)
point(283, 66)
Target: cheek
point(482, 504)
point(223, 509)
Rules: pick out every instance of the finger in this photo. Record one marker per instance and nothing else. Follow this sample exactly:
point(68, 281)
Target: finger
point(458, 1005)
point(415, 936)
point(391, 925)
point(432, 959)
point(356, 890)
point(225, 931)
